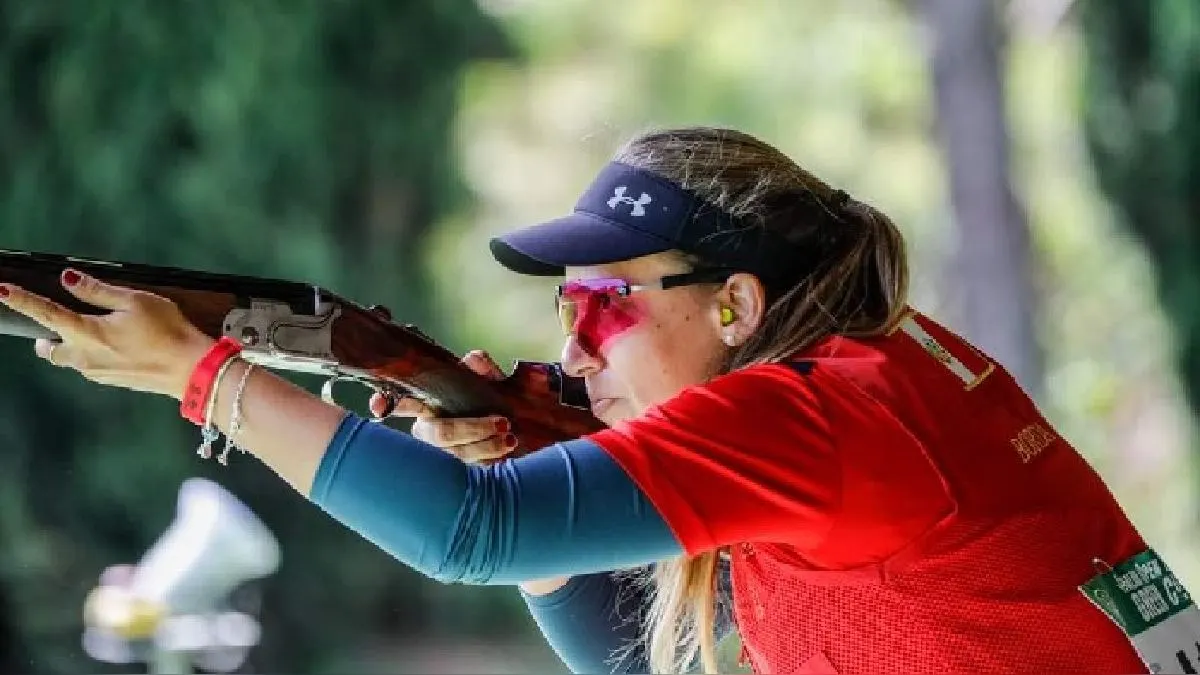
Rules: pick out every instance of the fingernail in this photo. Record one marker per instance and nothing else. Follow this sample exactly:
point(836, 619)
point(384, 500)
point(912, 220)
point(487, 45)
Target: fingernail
point(502, 426)
point(4, 292)
point(70, 277)
point(510, 441)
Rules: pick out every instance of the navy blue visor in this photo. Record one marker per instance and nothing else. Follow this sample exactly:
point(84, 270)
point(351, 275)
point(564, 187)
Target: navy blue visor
point(627, 213)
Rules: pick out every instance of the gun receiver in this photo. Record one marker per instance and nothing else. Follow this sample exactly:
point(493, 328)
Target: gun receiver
point(298, 327)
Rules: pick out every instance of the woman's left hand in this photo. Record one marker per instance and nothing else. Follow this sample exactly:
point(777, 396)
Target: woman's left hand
point(144, 344)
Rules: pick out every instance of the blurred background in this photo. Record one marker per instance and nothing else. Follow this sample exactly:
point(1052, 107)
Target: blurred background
point(1041, 156)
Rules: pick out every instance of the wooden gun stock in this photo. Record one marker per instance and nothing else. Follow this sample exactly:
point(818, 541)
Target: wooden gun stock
point(290, 326)
point(543, 404)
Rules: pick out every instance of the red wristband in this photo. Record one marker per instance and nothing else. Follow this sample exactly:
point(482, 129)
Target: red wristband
point(194, 404)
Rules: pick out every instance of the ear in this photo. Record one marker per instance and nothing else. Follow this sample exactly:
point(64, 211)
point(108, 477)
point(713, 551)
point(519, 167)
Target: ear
point(746, 297)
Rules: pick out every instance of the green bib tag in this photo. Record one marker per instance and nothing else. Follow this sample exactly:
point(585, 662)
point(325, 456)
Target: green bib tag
point(1144, 598)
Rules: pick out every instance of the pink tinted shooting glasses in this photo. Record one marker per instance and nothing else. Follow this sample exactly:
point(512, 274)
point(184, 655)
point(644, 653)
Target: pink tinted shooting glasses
point(597, 310)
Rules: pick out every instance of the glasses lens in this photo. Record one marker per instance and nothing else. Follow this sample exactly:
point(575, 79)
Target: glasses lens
point(588, 295)
point(568, 314)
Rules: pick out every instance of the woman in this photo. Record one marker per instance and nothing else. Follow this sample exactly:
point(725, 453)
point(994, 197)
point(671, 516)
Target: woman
point(884, 496)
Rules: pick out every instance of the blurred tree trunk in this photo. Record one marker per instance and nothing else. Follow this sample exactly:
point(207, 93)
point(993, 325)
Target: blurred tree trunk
point(990, 283)
point(1142, 118)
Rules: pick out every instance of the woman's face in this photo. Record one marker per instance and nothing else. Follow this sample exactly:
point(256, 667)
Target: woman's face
point(641, 349)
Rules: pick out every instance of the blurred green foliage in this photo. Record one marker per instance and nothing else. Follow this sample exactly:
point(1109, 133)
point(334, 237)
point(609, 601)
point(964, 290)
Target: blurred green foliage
point(1143, 131)
point(294, 138)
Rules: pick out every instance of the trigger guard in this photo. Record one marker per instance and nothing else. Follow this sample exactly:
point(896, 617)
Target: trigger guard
point(327, 389)
point(387, 392)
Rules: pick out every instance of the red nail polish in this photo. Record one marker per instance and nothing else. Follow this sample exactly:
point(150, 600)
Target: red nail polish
point(510, 441)
point(70, 277)
point(502, 426)
point(4, 292)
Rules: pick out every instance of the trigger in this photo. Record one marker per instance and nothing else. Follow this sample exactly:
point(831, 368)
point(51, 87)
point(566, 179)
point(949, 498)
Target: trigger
point(327, 390)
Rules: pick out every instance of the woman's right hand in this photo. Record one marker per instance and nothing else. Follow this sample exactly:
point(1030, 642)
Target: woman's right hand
point(476, 440)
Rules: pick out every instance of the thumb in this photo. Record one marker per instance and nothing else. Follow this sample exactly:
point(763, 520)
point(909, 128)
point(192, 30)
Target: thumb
point(95, 292)
point(402, 407)
point(480, 362)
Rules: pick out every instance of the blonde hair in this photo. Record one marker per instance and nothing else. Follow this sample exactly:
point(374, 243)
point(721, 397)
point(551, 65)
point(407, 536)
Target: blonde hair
point(859, 289)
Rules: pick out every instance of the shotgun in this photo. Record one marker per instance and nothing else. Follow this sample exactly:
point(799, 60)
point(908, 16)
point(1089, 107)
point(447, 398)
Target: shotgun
point(304, 328)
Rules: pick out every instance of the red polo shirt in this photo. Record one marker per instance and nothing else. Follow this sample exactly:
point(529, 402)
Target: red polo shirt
point(893, 504)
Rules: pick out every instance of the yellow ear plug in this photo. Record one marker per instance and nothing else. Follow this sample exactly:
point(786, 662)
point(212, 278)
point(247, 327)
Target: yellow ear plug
point(726, 316)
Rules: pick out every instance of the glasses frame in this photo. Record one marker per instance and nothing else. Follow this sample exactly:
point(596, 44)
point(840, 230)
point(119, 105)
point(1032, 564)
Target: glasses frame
point(622, 288)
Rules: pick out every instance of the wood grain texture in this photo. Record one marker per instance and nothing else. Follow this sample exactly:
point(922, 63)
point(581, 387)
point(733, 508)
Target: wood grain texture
point(528, 397)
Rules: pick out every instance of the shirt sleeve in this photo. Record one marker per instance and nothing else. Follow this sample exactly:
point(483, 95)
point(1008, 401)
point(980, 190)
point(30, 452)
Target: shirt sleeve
point(594, 622)
point(746, 457)
point(563, 510)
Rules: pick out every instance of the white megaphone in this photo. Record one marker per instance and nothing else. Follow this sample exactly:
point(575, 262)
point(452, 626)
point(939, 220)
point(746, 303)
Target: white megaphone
point(215, 544)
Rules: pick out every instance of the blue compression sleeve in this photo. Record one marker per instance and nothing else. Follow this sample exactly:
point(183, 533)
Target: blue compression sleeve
point(560, 511)
point(594, 622)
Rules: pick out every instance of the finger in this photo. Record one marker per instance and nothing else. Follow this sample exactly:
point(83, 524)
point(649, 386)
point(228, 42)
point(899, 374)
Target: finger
point(384, 405)
point(447, 432)
point(47, 313)
point(404, 407)
point(494, 448)
point(95, 292)
point(480, 362)
point(379, 405)
point(54, 352)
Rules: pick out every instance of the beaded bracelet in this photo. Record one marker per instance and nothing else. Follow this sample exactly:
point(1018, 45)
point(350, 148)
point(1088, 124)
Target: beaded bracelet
point(208, 430)
point(235, 417)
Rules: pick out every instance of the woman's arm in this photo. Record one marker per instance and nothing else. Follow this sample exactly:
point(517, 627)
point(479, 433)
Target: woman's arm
point(594, 623)
point(282, 424)
point(563, 510)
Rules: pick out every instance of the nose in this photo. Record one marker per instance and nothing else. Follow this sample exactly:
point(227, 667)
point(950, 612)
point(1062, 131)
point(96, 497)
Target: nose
point(576, 362)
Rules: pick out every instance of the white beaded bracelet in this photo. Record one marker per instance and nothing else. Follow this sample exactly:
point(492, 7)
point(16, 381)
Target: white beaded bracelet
point(209, 432)
point(235, 417)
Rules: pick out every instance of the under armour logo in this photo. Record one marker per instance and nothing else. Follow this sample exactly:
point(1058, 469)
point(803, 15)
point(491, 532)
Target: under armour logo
point(637, 206)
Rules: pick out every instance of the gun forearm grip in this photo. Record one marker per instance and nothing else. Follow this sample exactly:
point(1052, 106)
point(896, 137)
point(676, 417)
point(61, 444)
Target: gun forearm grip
point(544, 406)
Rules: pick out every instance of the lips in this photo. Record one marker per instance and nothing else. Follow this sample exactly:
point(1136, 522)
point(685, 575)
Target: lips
point(600, 405)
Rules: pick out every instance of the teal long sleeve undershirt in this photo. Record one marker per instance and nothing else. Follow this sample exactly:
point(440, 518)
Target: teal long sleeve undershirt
point(595, 622)
point(565, 510)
